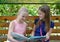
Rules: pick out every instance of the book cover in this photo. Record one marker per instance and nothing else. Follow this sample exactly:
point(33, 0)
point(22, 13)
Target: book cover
point(21, 37)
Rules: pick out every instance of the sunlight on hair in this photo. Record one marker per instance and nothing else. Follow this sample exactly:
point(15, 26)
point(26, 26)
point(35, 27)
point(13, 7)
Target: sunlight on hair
point(22, 10)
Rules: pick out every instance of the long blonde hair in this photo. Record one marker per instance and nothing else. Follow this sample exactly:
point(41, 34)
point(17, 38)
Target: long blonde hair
point(22, 10)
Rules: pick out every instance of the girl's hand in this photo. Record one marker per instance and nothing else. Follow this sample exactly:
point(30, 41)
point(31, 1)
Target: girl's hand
point(47, 37)
point(15, 41)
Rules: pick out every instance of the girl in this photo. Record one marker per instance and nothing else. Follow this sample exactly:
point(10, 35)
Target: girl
point(42, 25)
point(18, 25)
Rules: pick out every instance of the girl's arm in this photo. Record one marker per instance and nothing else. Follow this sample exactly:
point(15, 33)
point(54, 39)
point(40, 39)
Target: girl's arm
point(33, 31)
point(50, 30)
point(11, 27)
point(26, 29)
point(48, 34)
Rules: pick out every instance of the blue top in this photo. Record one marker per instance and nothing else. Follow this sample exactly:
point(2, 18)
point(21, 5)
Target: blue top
point(42, 26)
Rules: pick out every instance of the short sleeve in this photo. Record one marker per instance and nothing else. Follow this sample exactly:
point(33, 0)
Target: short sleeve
point(35, 21)
point(52, 24)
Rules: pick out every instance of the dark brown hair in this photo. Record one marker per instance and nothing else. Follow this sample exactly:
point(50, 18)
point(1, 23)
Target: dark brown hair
point(46, 10)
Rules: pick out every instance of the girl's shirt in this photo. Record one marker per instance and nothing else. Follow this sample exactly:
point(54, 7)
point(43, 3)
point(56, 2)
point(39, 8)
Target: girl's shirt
point(19, 27)
point(42, 26)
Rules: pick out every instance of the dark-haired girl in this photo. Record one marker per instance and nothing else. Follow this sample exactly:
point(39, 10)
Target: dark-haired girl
point(43, 25)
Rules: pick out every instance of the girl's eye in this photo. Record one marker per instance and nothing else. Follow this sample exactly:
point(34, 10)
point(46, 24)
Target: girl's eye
point(23, 16)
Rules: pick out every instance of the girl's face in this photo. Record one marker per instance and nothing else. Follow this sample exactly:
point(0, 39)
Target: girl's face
point(41, 14)
point(23, 16)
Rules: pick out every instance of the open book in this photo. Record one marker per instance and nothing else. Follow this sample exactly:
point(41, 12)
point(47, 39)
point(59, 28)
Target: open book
point(21, 37)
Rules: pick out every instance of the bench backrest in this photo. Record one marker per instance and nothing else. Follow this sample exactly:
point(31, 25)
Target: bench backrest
point(5, 20)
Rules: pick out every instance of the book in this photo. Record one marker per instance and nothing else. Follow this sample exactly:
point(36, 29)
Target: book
point(21, 37)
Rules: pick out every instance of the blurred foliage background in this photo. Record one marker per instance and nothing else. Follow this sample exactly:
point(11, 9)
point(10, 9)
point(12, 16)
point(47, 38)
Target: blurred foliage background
point(12, 9)
point(30, 1)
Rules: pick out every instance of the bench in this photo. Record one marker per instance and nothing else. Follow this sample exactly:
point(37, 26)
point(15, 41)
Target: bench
point(5, 20)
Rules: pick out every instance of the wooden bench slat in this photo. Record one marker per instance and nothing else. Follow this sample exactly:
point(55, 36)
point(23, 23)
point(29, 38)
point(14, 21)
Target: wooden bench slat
point(4, 24)
point(56, 24)
point(55, 17)
point(13, 17)
point(30, 24)
point(55, 37)
point(30, 17)
point(3, 39)
point(7, 17)
point(56, 31)
point(29, 31)
point(3, 31)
